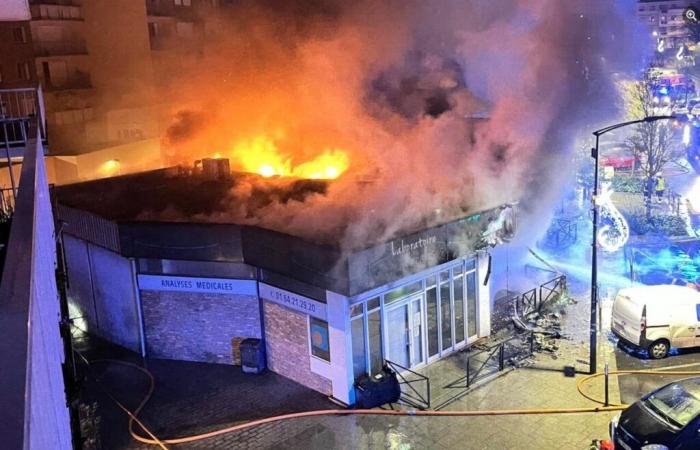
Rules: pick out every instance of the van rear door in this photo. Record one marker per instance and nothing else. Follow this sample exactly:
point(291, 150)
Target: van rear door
point(627, 318)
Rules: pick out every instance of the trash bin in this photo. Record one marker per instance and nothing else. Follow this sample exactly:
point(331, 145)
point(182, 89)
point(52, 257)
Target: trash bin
point(252, 355)
point(378, 390)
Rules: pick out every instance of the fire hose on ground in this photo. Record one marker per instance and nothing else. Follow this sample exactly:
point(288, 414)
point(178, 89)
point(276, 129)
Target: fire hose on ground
point(153, 440)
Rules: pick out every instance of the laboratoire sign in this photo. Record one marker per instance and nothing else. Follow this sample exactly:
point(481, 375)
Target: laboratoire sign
point(293, 301)
point(413, 253)
point(201, 285)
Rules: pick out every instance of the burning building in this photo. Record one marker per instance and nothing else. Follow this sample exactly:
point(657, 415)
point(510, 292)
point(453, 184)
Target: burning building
point(367, 187)
point(191, 290)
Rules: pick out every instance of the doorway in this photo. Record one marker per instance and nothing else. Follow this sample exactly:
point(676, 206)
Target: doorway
point(405, 325)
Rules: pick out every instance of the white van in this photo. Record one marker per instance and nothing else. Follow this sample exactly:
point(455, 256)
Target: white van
point(657, 318)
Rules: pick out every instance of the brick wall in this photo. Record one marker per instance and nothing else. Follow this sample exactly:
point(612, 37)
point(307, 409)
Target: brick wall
point(286, 335)
point(197, 327)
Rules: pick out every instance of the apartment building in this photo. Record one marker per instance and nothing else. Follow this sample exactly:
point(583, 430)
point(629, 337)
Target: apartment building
point(665, 20)
point(100, 94)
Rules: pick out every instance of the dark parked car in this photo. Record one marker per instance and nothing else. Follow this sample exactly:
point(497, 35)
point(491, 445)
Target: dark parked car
point(666, 419)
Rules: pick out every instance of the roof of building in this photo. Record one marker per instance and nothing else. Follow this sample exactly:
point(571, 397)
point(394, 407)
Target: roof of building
point(118, 213)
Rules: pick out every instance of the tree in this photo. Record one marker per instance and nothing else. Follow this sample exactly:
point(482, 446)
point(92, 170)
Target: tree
point(654, 144)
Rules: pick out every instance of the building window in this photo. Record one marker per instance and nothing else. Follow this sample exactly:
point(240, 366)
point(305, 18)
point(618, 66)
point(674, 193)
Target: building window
point(359, 353)
point(23, 72)
point(320, 343)
point(152, 29)
point(19, 34)
point(374, 337)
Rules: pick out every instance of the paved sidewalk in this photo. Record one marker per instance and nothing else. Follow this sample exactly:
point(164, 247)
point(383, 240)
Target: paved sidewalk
point(192, 398)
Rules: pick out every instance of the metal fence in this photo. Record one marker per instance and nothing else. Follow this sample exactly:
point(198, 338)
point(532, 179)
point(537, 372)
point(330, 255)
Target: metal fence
point(487, 362)
point(7, 202)
point(533, 300)
point(415, 388)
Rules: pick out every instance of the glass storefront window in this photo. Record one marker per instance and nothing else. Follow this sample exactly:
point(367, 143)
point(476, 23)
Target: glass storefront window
point(374, 334)
point(471, 264)
point(446, 311)
point(359, 356)
point(432, 316)
point(471, 304)
point(372, 303)
point(356, 310)
point(458, 292)
point(402, 292)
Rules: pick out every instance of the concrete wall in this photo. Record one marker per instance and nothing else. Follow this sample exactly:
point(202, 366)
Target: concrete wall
point(288, 354)
point(196, 326)
point(101, 293)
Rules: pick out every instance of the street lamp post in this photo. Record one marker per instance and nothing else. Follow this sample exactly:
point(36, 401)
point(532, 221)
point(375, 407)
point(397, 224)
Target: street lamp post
point(594, 257)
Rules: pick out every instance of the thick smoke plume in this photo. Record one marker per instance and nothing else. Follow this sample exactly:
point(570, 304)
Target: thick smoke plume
point(443, 107)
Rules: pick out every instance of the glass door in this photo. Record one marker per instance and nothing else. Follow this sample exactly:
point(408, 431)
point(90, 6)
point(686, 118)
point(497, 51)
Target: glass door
point(471, 305)
point(405, 333)
point(398, 332)
point(416, 331)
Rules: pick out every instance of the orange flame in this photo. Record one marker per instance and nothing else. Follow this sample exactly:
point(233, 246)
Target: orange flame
point(260, 155)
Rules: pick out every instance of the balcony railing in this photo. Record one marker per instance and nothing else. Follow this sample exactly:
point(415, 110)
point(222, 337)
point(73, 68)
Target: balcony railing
point(76, 80)
point(56, 2)
point(56, 11)
point(32, 378)
point(59, 48)
point(19, 105)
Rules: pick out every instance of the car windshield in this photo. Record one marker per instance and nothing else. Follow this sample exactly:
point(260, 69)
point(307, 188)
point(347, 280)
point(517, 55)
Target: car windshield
point(678, 403)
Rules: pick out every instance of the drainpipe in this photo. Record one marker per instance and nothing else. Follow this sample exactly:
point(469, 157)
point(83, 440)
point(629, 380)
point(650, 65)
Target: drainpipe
point(139, 307)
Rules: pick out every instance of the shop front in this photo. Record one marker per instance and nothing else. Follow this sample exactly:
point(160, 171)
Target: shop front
point(327, 317)
point(419, 319)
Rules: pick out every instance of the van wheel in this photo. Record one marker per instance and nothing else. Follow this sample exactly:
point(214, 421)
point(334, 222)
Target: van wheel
point(658, 350)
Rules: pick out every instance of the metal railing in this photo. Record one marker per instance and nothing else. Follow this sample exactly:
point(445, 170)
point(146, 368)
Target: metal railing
point(60, 48)
point(31, 313)
point(76, 80)
point(562, 232)
point(23, 103)
point(488, 362)
point(7, 202)
point(552, 289)
point(527, 302)
point(533, 300)
point(409, 379)
point(13, 132)
point(54, 10)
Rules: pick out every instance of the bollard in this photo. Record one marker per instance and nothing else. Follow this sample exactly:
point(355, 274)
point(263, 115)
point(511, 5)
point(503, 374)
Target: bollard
point(501, 354)
point(607, 398)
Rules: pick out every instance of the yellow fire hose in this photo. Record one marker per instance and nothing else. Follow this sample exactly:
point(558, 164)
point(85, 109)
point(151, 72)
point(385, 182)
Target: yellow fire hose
point(153, 440)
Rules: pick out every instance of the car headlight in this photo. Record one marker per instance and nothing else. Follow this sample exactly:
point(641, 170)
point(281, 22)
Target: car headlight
point(613, 427)
point(654, 447)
